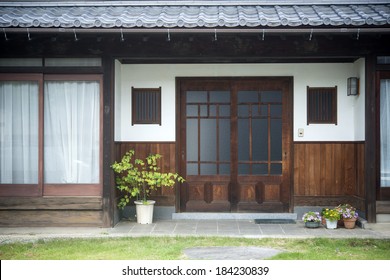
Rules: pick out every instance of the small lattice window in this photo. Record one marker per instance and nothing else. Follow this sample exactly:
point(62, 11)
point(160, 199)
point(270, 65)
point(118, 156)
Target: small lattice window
point(146, 105)
point(322, 105)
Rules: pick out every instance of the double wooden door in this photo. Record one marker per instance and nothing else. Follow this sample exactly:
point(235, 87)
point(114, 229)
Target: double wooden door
point(234, 144)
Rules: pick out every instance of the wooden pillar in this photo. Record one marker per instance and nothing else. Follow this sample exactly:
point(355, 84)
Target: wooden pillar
point(371, 140)
point(109, 203)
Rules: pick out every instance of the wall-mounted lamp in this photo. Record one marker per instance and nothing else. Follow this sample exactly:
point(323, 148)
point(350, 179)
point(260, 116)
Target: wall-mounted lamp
point(353, 86)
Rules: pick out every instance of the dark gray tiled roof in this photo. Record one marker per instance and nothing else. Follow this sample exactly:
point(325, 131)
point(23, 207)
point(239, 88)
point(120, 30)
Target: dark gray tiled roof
point(87, 15)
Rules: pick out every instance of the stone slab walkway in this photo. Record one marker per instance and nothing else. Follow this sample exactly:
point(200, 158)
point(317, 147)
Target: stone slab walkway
point(223, 228)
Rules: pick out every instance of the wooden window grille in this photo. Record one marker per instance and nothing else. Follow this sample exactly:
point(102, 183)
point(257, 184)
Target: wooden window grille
point(146, 105)
point(322, 105)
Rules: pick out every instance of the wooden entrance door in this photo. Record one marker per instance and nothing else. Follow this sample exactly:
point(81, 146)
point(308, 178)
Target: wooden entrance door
point(234, 143)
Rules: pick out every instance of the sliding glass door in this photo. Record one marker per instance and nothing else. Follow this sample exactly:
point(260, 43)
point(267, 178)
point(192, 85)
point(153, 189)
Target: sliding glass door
point(19, 132)
point(71, 134)
point(384, 137)
point(50, 128)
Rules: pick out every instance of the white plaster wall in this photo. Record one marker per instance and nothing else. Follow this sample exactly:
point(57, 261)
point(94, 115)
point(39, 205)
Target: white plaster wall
point(350, 125)
point(350, 109)
point(359, 104)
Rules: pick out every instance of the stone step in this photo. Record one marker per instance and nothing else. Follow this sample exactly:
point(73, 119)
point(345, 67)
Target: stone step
point(233, 216)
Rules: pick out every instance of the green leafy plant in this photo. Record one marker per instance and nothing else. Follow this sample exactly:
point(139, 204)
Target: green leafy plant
point(136, 178)
point(331, 214)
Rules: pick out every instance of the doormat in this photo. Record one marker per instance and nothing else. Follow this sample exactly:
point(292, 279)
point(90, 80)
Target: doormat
point(275, 221)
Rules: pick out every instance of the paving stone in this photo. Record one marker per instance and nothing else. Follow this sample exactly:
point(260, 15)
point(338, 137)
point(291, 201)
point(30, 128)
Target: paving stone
point(238, 228)
point(230, 253)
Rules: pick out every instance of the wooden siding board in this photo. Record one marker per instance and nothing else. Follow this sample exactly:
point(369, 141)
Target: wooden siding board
point(301, 173)
point(323, 170)
point(329, 201)
point(328, 169)
point(361, 174)
point(351, 169)
point(164, 196)
point(50, 218)
point(306, 170)
point(337, 184)
point(51, 203)
point(383, 207)
point(317, 170)
point(320, 169)
point(297, 175)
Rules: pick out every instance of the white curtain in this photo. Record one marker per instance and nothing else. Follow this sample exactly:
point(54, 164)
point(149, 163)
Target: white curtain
point(385, 132)
point(71, 132)
point(18, 132)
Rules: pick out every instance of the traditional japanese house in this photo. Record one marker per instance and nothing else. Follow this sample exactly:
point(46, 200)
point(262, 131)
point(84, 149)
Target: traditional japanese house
point(263, 106)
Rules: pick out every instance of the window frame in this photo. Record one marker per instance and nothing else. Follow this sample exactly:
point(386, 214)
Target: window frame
point(28, 189)
point(314, 113)
point(154, 110)
point(42, 189)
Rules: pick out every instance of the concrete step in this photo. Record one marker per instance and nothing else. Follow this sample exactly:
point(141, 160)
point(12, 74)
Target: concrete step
point(232, 216)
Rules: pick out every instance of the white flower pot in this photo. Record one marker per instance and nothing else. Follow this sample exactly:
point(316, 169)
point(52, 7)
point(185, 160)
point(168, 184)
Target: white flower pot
point(144, 211)
point(331, 224)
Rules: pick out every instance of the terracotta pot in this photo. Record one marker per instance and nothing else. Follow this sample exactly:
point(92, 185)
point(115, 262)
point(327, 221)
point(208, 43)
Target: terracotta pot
point(350, 223)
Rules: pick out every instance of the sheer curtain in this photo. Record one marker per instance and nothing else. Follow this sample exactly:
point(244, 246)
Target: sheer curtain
point(18, 132)
point(71, 132)
point(385, 132)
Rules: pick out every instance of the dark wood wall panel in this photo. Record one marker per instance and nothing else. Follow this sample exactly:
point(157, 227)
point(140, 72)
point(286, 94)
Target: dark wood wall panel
point(51, 203)
point(51, 211)
point(164, 196)
point(50, 218)
point(328, 172)
point(383, 207)
point(324, 173)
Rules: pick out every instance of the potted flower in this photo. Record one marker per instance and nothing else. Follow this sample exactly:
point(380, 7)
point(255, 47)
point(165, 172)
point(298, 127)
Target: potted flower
point(137, 178)
point(323, 221)
point(331, 217)
point(349, 215)
point(312, 219)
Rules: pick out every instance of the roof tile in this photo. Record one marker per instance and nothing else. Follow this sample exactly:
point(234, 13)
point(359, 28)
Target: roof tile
point(192, 16)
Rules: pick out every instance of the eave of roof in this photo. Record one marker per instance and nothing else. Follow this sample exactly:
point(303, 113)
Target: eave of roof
point(47, 3)
point(136, 14)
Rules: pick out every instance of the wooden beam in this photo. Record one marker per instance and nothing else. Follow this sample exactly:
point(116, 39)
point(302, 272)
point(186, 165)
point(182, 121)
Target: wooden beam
point(51, 203)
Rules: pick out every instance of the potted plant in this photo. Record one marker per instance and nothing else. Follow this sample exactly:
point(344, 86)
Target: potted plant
point(312, 219)
point(348, 214)
point(331, 217)
point(323, 221)
point(136, 178)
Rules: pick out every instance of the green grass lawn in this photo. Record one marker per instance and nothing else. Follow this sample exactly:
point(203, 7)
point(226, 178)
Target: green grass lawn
point(171, 248)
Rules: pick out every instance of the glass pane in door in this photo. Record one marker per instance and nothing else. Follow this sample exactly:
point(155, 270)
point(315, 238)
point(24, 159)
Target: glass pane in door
point(71, 133)
point(259, 128)
point(208, 132)
point(19, 132)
